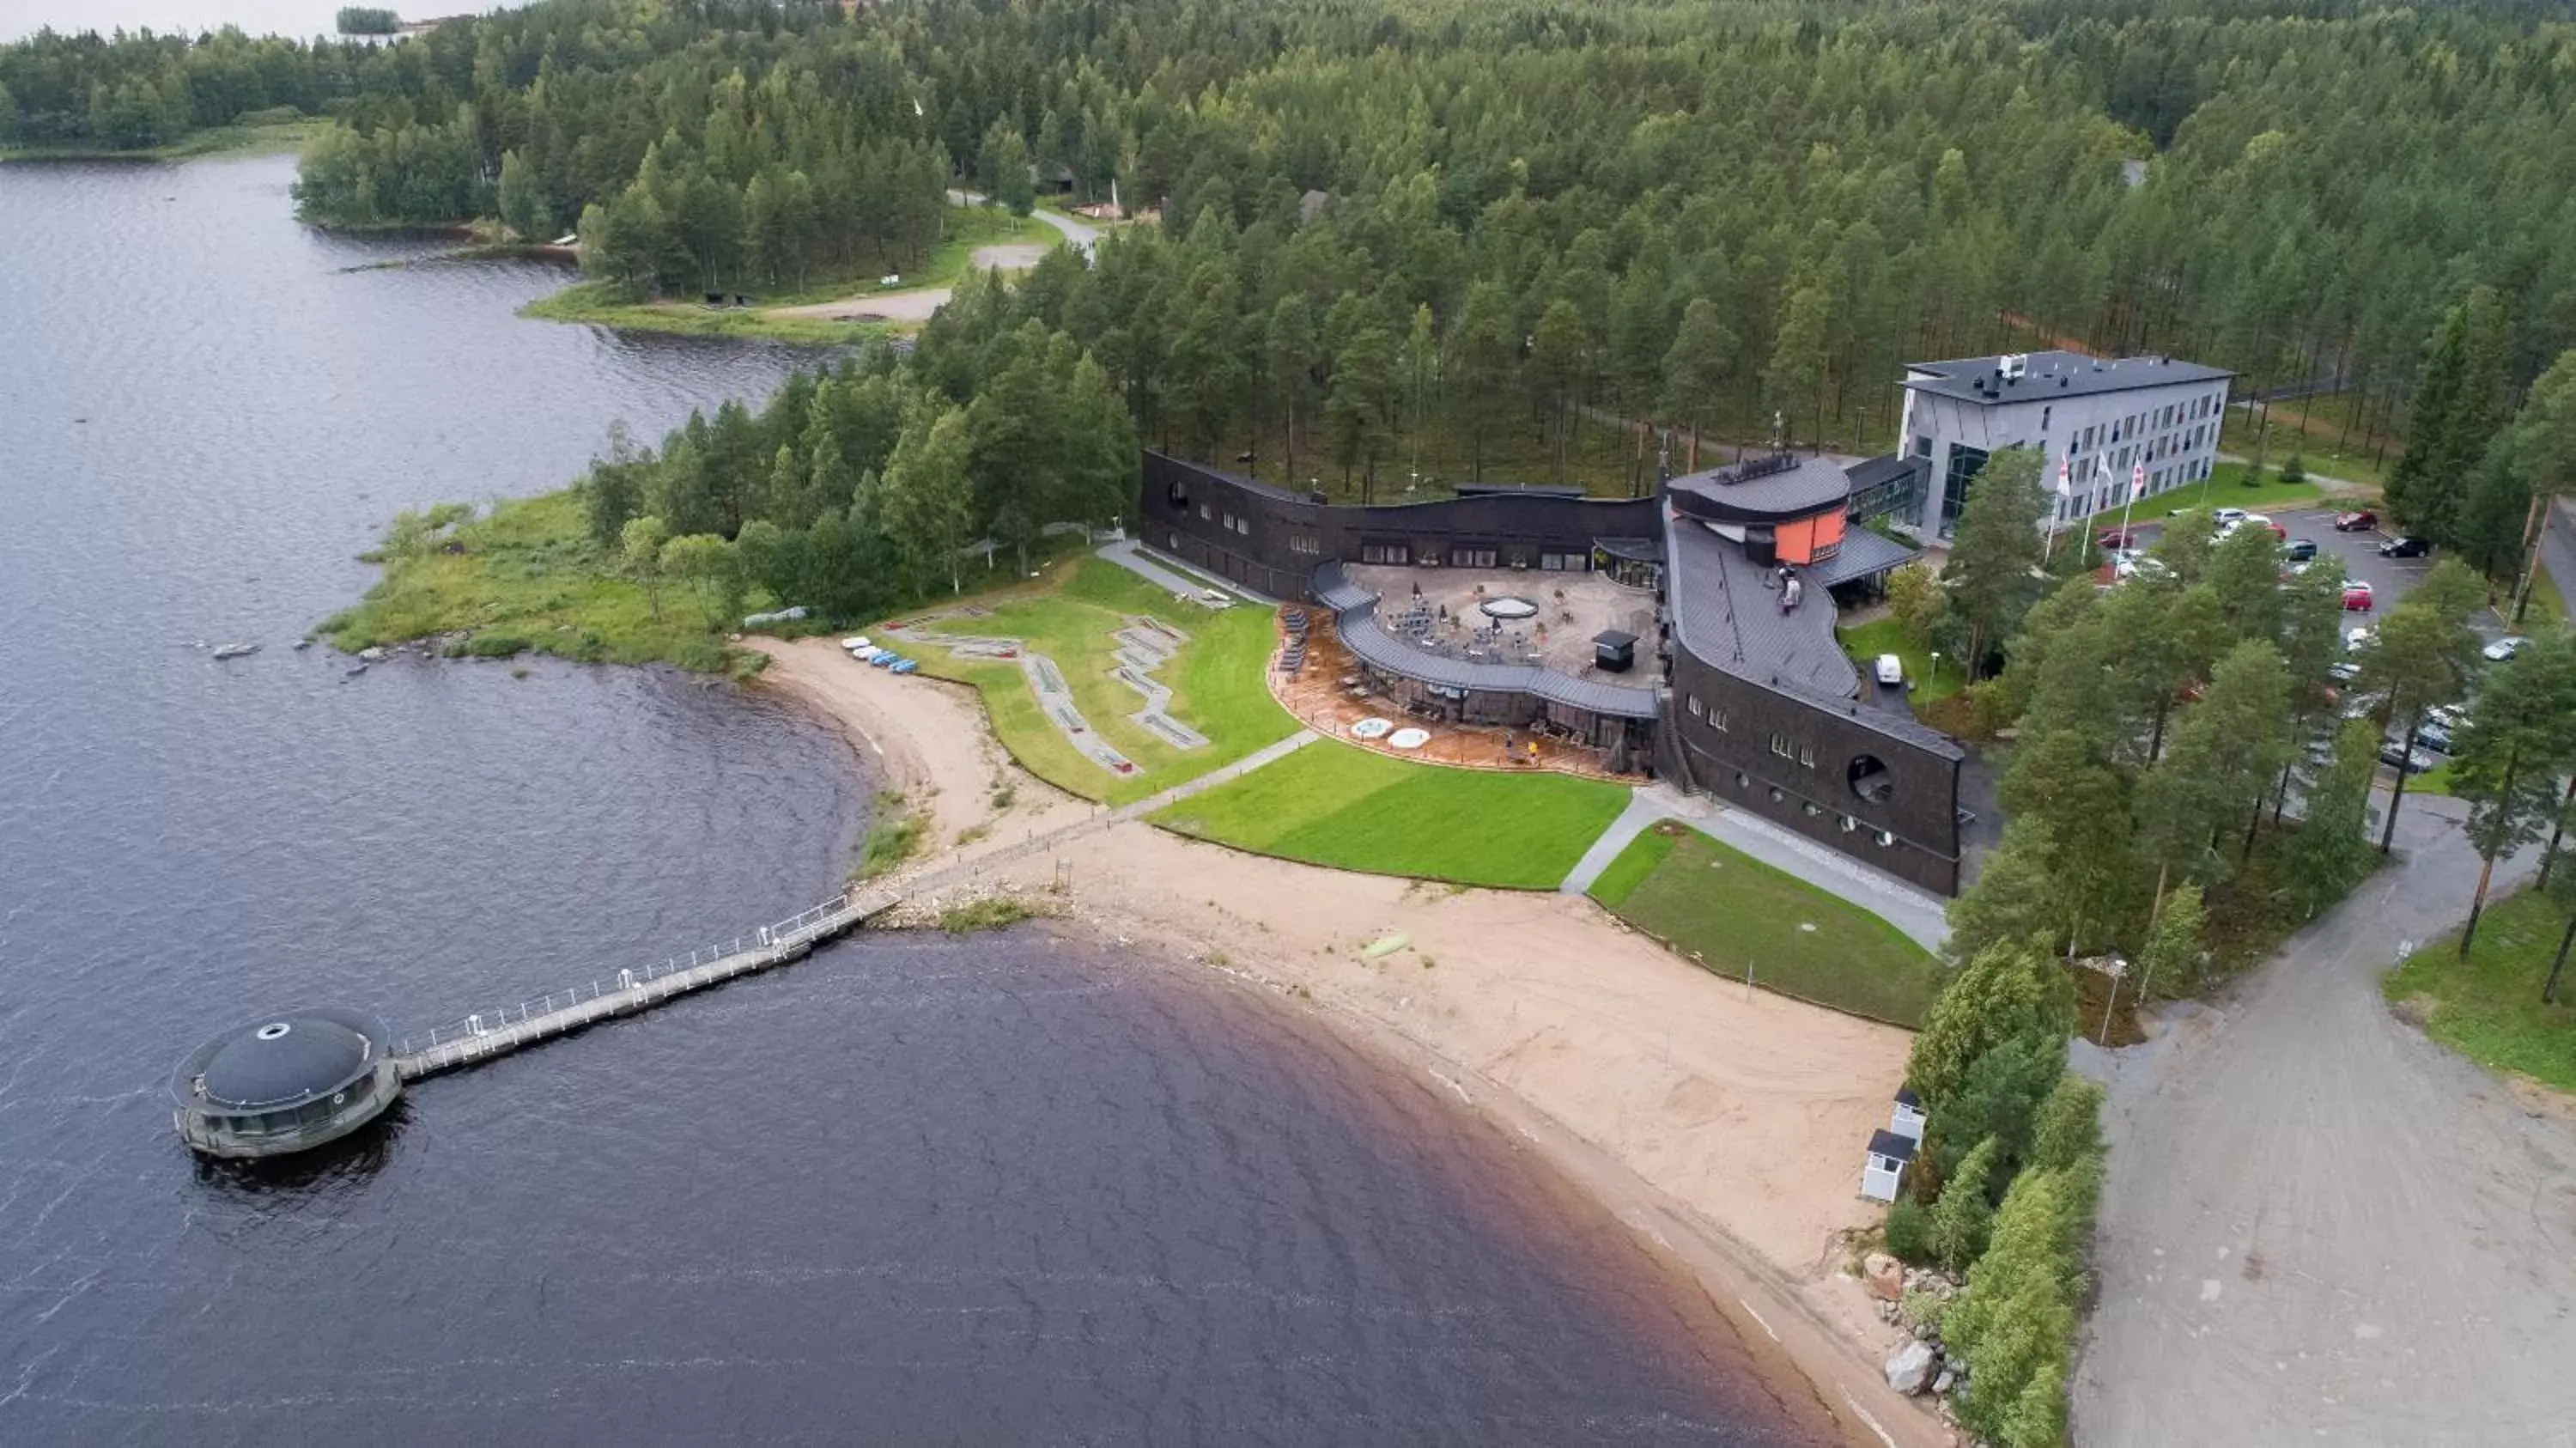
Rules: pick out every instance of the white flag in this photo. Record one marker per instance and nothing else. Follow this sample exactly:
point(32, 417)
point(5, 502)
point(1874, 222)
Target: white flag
point(2137, 482)
point(2065, 489)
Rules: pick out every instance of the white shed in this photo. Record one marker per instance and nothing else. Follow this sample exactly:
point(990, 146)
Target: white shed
point(1907, 1119)
point(1889, 1154)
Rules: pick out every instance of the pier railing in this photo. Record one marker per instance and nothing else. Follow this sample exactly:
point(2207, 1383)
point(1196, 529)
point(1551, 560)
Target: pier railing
point(767, 945)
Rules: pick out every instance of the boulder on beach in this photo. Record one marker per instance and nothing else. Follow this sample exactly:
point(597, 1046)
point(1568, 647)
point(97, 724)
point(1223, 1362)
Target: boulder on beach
point(1885, 1276)
point(1910, 1367)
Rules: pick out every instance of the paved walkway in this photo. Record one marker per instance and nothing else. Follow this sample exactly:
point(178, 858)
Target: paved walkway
point(1164, 571)
point(1921, 916)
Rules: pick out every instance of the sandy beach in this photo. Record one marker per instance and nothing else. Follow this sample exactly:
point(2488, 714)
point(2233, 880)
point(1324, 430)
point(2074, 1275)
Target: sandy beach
point(1724, 1125)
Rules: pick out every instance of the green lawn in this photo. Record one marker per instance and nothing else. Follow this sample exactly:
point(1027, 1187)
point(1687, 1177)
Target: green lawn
point(261, 135)
point(2488, 1008)
point(1886, 636)
point(2546, 603)
point(2225, 488)
point(526, 572)
point(2330, 445)
point(1339, 805)
point(1217, 680)
point(1731, 912)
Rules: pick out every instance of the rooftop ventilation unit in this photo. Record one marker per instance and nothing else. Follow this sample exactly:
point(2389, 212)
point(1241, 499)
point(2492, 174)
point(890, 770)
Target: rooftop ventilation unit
point(1762, 467)
point(2013, 366)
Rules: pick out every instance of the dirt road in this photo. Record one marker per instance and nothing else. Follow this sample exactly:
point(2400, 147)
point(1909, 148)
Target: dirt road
point(2322, 1227)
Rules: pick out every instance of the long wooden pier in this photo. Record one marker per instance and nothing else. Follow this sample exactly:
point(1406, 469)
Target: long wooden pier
point(479, 1038)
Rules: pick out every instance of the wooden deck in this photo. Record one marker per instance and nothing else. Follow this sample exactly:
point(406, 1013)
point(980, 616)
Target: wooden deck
point(1326, 695)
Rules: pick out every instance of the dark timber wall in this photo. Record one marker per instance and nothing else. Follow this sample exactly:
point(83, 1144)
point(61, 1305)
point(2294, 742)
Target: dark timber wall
point(1272, 540)
point(1827, 746)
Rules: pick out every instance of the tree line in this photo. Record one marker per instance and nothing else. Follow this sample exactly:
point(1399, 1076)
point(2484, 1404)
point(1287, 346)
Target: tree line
point(866, 485)
point(2201, 740)
point(1433, 226)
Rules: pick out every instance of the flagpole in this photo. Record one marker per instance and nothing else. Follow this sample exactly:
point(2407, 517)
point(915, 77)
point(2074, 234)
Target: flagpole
point(2064, 494)
point(2137, 485)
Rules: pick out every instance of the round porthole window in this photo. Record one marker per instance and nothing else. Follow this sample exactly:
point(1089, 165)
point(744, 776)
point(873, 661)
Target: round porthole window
point(272, 1031)
point(1869, 778)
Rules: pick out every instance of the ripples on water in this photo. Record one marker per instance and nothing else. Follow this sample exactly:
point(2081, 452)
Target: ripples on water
point(913, 1190)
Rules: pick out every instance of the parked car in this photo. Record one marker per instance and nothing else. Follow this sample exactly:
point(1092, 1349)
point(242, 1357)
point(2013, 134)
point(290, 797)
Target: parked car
point(2227, 517)
point(2405, 546)
point(2434, 736)
point(2359, 521)
point(2118, 538)
point(2413, 761)
point(1891, 670)
point(2505, 648)
point(2300, 550)
point(2138, 565)
point(2357, 597)
point(2343, 671)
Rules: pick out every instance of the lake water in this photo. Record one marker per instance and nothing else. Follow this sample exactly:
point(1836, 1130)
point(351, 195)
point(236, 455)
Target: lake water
point(914, 1190)
point(302, 19)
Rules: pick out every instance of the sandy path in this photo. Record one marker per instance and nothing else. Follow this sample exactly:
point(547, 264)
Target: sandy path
point(1723, 1125)
point(2325, 1226)
point(917, 304)
point(930, 737)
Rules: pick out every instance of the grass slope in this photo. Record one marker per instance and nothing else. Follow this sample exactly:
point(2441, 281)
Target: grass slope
point(1730, 912)
point(2226, 487)
point(526, 571)
point(258, 136)
point(2488, 1007)
point(1216, 681)
point(1886, 636)
point(2332, 444)
point(1334, 804)
point(968, 229)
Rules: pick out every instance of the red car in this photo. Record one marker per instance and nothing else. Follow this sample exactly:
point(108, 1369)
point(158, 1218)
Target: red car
point(2356, 597)
point(2360, 522)
point(2118, 538)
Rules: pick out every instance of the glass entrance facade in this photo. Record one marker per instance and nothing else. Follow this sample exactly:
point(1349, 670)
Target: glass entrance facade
point(1965, 463)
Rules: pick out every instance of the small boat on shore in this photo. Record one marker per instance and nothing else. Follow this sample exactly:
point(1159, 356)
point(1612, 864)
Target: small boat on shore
point(236, 651)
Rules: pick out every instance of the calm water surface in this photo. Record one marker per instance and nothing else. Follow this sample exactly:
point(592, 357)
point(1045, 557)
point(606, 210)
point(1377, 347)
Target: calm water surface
point(303, 19)
point(912, 1191)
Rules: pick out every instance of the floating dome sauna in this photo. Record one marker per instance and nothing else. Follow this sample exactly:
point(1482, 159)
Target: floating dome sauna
point(285, 1084)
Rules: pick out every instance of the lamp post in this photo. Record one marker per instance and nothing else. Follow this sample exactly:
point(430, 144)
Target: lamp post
point(1936, 669)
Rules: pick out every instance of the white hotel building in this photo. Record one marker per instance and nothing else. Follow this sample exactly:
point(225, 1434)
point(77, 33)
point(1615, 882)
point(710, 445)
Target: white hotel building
point(2099, 417)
